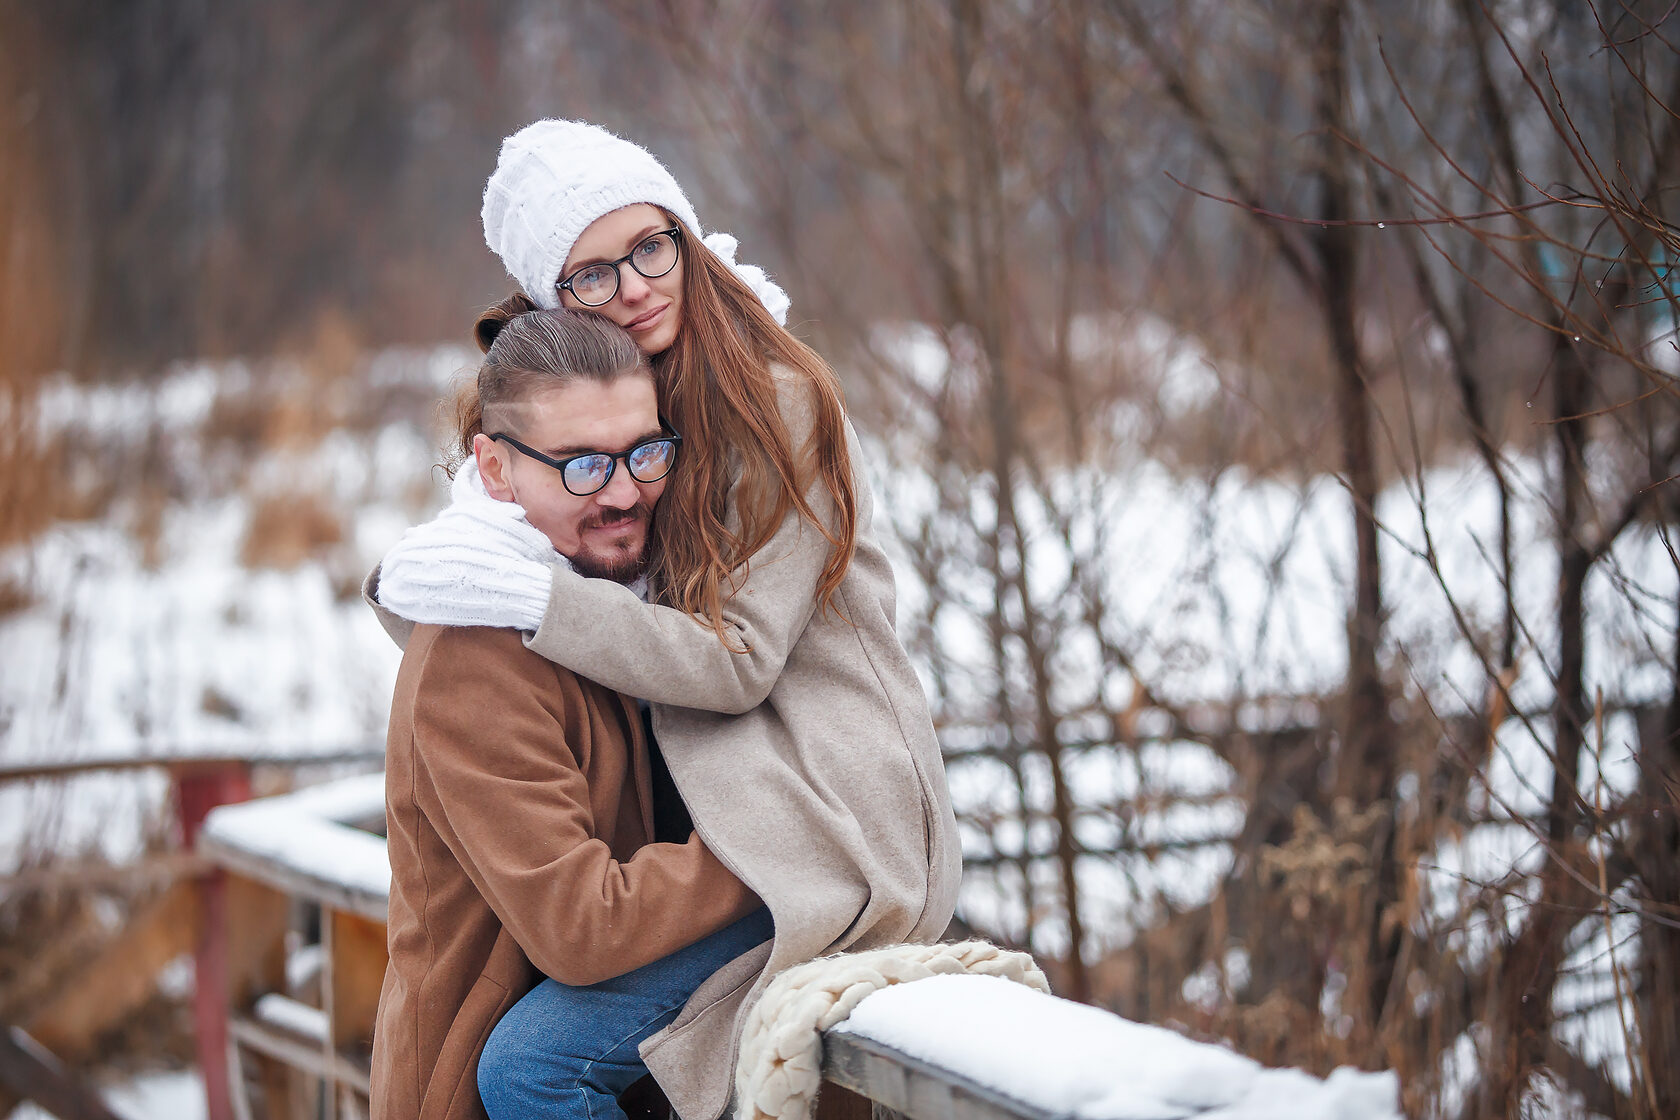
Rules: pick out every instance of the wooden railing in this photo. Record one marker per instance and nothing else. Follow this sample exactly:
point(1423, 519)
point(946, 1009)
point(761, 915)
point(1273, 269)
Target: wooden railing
point(307, 880)
point(900, 1085)
point(292, 1050)
point(189, 908)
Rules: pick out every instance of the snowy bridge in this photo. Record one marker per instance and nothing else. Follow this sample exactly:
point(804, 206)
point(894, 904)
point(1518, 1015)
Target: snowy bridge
point(944, 1048)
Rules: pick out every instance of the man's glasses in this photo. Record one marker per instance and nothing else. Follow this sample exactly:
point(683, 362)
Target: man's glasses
point(583, 475)
point(596, 284)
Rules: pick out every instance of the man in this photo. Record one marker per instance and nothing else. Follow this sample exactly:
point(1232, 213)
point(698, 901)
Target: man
point(519, 797)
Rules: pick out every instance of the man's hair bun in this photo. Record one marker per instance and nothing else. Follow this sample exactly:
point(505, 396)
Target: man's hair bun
point(494, 318)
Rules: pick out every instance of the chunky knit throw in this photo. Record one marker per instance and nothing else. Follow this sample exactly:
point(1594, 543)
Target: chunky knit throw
point(780, 1067)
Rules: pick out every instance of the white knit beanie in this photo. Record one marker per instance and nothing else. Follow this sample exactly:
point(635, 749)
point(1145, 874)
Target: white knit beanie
point(553, 178)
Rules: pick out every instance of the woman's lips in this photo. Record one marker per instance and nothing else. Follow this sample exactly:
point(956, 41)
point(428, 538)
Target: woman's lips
point(648, 321)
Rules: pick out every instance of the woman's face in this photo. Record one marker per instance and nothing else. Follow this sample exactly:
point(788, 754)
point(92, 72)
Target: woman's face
point(650, 309)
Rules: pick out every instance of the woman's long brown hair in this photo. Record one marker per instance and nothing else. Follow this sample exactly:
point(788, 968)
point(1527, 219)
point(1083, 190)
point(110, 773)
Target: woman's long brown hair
point(717, 388)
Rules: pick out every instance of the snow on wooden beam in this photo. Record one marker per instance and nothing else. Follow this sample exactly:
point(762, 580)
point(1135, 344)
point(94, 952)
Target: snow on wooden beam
point(308, 843)
point(983, 1048)
point(959, 1047)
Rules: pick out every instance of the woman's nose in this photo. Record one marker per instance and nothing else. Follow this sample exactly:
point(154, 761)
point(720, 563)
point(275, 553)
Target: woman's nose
point(632, 286)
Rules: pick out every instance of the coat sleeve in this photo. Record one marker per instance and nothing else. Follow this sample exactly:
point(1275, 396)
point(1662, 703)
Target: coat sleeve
point(398, 628)
point(602, 631)
point(507, 795)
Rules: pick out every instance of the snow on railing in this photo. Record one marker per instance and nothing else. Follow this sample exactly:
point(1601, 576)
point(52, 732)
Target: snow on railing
point(985, 1048)
point(309, 843)
point(958, 1047)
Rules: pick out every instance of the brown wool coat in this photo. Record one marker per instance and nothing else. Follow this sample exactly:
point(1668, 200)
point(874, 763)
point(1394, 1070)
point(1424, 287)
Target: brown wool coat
point(809, 764)
point(519, 810)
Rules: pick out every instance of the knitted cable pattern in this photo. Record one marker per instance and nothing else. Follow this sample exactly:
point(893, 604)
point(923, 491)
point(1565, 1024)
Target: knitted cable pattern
point(780, 1067)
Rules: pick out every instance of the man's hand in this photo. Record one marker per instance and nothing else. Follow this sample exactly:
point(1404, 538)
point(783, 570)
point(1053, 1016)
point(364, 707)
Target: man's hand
point(478, 563)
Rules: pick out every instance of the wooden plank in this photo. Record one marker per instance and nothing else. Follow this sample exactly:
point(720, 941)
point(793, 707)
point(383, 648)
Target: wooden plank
point(31, 1071)
point(357, 972)
point(298, 1051)
point(338, 896)
point(914, 1088)
point(121, 978)
point(282, 1091)
point(836, 1102)
point(307, 844)
point(49, 771)
point(210, 996)
point(198, 790)
point(258, 918)
point(242, 955)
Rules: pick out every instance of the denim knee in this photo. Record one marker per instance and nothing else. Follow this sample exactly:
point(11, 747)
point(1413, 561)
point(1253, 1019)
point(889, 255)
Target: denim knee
point(515, 1068)
point(496, 1066)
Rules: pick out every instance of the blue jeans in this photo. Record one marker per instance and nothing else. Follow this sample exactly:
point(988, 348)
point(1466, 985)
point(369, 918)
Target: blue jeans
point(568, 1052)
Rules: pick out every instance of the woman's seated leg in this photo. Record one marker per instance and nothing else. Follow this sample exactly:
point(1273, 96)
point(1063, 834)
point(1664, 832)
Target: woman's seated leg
point(568, 1052)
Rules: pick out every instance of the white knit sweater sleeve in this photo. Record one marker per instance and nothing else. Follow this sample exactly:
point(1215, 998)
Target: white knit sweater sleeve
point(477, 563)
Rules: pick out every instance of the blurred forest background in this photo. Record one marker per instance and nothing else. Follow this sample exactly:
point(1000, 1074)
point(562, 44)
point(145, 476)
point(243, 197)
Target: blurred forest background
point(1274, 404)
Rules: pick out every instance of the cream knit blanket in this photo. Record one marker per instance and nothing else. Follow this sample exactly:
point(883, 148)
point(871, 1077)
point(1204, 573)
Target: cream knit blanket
point(780, 1067)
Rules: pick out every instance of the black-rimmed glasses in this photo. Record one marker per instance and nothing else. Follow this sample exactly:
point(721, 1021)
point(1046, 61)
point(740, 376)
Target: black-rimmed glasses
point(585, 474)
point(596, 284)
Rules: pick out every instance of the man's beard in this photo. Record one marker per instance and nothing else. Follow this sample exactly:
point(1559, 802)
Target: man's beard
point(617, 563)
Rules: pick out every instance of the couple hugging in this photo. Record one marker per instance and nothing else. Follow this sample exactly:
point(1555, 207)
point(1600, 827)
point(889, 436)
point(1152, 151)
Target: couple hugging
point(654, 738)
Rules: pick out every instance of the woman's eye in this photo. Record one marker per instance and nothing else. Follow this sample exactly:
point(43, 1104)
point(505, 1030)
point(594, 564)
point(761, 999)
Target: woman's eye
point(651, 246)
point(592, 277)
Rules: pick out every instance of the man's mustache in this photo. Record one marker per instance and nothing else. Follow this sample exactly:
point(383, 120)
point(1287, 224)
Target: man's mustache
point(607, 518)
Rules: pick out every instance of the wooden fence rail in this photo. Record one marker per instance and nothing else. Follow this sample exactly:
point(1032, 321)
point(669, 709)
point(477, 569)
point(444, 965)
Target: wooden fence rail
point(226, 924)
point(290, 1053)
point(307, 847)
point(299, 1032)
point(282, 901)
point(900, 1085)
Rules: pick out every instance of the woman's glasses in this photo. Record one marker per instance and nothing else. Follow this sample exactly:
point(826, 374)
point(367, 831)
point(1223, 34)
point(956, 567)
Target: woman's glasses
point(583, 475)
point(596, 284)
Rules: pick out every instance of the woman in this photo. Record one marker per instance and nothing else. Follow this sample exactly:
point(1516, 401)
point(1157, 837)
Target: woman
point(786, 709)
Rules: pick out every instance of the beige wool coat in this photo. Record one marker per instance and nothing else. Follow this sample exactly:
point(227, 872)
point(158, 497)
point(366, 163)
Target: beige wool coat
point(519, 811)
point(809, 764)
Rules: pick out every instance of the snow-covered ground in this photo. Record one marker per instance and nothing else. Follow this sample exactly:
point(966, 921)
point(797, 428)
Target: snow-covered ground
point(176, 645)
point(177, 1095)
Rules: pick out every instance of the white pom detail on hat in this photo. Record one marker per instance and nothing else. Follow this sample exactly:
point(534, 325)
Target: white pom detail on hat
point(769, 294)
point(554, 178)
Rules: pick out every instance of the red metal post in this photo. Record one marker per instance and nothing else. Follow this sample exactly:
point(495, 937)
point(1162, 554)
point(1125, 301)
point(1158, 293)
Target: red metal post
point(197, 791)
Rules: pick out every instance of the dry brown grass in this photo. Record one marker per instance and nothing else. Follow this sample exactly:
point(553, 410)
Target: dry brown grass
point(287, 530)
point(14, 596)
point(32, 487)
point(48, 933)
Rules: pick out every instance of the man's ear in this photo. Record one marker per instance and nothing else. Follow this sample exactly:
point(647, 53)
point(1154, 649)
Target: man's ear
point(495, 467)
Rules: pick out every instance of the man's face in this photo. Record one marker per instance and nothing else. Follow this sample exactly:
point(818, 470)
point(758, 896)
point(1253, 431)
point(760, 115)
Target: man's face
point(604, 535)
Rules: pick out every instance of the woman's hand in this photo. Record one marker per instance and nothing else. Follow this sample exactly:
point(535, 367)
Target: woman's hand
point(478, 563)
